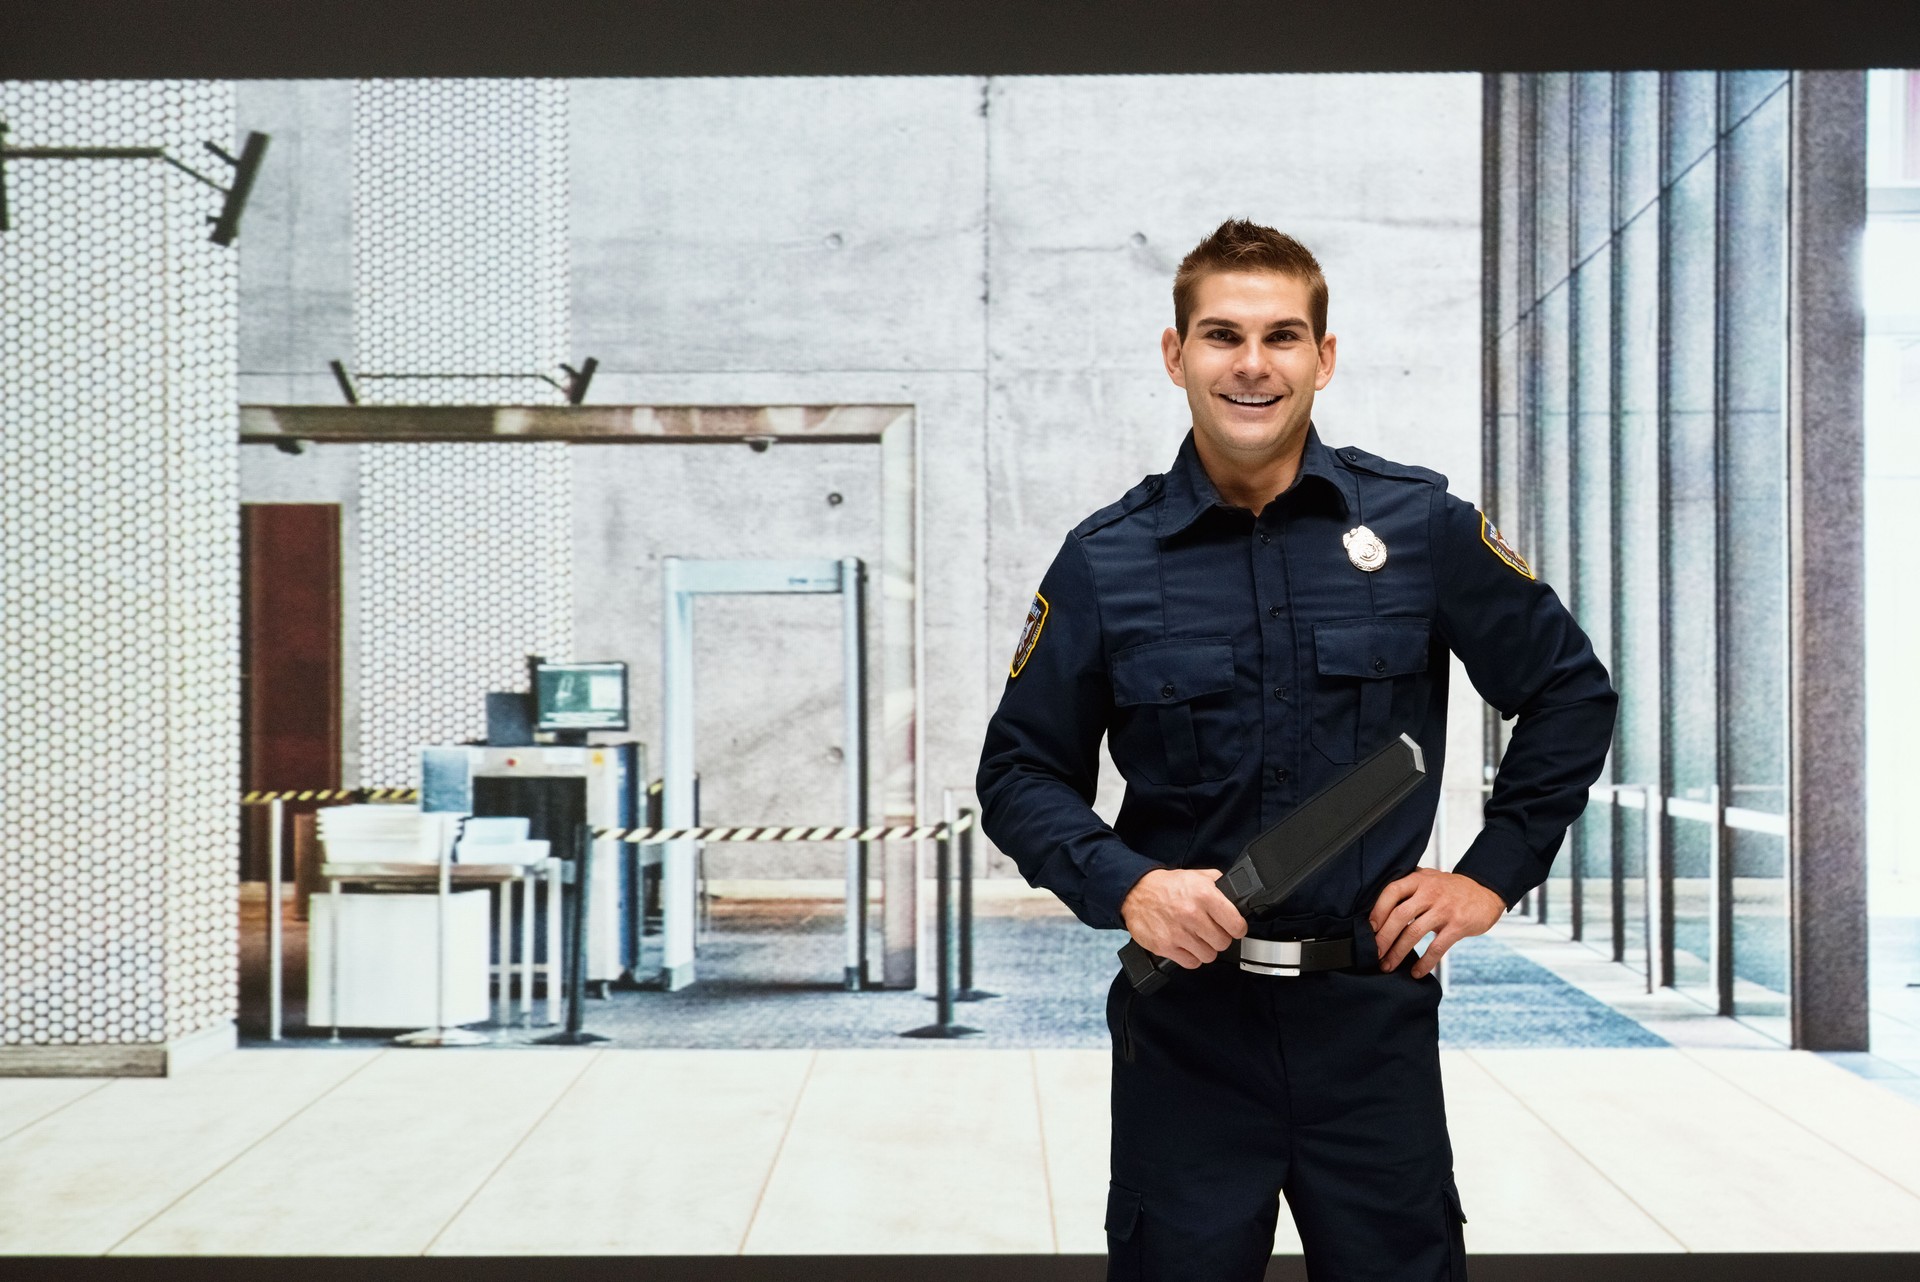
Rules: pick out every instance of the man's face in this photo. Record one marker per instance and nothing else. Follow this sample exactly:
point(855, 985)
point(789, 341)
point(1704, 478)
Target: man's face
point(1249, 364)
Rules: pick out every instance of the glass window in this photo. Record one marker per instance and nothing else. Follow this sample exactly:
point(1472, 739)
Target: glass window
point(1753, 165)
point(1638, 447)
point(1548, 495)
point(1691, 111)
point(1506, 162)
point(1743, 92)
point(1552, 126)
point(1636, 143)
point(1636, 665)
point(1688, 578)
point(1589, 587)
point(1592, 159)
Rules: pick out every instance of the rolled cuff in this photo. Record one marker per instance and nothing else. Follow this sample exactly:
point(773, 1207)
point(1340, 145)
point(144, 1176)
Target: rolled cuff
point(1503, 863)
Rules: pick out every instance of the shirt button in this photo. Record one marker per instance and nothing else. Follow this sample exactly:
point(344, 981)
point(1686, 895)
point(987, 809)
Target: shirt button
point(1273, 611)
point(1265, 537)
point(1166, 692)
point(1280, 692)
point(1379, 665)
point(1279, 774)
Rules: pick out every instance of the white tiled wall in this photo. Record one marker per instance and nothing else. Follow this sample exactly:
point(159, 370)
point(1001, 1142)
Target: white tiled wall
point(119, 693)
point(460, 267)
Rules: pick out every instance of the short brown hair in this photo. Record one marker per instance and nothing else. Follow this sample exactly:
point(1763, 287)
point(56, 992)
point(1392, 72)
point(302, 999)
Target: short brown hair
point(1238, 245)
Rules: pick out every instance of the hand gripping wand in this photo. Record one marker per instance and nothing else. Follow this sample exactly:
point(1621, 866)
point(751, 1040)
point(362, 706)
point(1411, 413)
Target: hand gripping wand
point(1275, 863)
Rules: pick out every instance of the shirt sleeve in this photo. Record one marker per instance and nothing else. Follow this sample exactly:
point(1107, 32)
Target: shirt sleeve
point(1529, 659)
point(1040, 763)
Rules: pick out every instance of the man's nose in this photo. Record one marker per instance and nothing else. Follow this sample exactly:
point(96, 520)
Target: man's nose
point(1249, 360)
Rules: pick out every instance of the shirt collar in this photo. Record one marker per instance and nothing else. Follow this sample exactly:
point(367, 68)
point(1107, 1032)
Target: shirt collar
point(1190, 491)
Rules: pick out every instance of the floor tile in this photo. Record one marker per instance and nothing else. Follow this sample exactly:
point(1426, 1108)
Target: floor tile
point(81, 1179)
point(1074, 1087)
point(649, 1153)
point(935, 1152)
point(1857, 1116)
point(1523, 1187)
point(25, 1100)
point(1717, 1168)
point(379, 1166)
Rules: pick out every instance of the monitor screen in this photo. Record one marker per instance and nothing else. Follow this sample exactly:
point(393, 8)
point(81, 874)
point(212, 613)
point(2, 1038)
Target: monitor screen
point(580, 696)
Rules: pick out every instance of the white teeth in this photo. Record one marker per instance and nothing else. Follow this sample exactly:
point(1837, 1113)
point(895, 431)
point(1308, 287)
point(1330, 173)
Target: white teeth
point(1251, 400)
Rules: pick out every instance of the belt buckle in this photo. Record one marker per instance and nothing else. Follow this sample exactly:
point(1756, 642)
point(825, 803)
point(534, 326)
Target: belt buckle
point(1271, 956)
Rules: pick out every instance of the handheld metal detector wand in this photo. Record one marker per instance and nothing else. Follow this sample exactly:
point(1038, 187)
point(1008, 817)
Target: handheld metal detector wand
point(1275, 863)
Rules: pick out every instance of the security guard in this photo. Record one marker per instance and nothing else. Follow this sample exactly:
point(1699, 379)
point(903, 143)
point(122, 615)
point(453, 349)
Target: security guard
point(1242, 629)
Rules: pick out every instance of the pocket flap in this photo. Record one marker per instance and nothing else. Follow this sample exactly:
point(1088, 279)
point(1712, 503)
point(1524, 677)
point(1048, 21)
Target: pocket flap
point(1453, 1201)
point(1172, 671)
point(1123, 1211)
point(1370, 647)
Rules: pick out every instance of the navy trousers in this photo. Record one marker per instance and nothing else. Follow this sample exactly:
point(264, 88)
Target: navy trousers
point(1230, 1088)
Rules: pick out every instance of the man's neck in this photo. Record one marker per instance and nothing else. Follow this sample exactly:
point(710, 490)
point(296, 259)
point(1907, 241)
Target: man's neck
point(1251, 483)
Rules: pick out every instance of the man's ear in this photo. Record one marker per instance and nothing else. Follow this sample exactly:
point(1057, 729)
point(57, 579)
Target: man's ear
point(1170, 354)
point(1325, 375)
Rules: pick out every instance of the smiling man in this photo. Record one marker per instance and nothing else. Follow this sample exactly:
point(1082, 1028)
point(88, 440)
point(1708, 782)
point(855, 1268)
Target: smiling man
point(1241, 629)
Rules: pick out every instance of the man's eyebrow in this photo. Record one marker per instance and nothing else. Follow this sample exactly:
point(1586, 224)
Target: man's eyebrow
point(1218, 322)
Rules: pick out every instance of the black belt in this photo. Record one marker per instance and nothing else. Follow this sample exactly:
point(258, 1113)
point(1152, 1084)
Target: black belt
point(1293, 956)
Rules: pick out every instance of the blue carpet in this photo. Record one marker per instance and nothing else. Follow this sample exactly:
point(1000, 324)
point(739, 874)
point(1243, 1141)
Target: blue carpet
point(768, 977)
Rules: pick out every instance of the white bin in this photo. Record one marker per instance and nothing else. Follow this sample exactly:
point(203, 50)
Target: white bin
point(386, 960)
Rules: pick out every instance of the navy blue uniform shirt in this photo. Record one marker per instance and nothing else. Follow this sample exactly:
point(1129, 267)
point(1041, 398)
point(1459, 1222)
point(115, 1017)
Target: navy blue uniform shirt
point(1237, 664)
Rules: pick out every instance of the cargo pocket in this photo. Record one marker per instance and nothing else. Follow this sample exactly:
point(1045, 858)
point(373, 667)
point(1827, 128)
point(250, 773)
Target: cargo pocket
point(1456, 1235)
point(1372, 681)
point(1179, 722)
point(1123, 1248)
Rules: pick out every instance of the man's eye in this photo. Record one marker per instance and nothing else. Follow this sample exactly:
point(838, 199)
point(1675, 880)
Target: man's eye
point(1224, 335)
point(1283, 336)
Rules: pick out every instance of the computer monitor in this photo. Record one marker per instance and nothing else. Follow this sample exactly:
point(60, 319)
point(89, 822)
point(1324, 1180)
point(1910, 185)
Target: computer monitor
point(573, 698)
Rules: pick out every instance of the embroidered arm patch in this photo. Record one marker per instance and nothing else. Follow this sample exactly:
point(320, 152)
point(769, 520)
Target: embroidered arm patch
point(1490, 535)
point(1029, 635)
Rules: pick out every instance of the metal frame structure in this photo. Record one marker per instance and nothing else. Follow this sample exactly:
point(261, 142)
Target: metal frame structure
point(682, 580)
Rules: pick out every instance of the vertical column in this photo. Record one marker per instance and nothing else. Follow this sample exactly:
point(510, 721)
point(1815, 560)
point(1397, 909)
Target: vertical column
point(119, 700)
point(1827, 776)
point(1637, 497)
point(460, 269)
point(1690, 554)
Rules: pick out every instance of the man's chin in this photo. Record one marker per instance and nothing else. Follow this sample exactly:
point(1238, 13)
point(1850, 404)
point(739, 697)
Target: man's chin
point(1255, 439)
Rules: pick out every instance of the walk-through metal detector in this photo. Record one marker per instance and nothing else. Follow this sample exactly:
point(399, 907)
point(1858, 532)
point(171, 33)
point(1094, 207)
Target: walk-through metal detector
point(682, 580)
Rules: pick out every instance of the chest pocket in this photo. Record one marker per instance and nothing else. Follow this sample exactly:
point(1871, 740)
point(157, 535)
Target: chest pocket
point(1372, 683)
point(1178, 721)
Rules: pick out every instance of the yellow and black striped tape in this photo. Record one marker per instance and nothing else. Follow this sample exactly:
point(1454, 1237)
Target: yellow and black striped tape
point(262, 796)
point(654, 836)
point(903, 832)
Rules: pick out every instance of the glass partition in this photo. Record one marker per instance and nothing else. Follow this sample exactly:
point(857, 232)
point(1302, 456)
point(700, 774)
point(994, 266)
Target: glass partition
point(1637, 443)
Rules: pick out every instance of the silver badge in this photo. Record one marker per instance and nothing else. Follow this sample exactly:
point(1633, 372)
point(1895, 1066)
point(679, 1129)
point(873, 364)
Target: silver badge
point(1364, 549)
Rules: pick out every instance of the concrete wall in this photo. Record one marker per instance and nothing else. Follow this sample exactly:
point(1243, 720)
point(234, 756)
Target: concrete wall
point(998, 254)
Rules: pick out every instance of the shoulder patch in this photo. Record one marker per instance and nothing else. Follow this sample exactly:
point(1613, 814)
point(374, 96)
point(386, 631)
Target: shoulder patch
point(1133, 500)
point(1490, 535)
point(1029, 635)
point(1361, 461)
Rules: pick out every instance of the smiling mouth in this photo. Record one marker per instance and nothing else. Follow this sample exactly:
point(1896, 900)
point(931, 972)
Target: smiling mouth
point(1248, 400)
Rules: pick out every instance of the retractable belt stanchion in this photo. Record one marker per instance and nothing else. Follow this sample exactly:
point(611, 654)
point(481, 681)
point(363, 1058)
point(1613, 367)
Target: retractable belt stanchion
point(966, 992)
point(276, 821)
point(573, 1035)
point(943, 924)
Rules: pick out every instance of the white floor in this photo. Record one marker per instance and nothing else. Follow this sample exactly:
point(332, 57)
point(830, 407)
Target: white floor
point(1724, 1142)
point(824, 1152)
